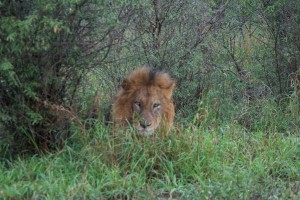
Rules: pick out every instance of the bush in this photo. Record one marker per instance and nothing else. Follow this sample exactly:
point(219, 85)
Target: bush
point(55, 55)
point(39, 72)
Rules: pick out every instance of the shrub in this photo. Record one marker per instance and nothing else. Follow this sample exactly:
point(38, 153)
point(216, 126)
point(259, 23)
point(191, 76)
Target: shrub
point(38, 72)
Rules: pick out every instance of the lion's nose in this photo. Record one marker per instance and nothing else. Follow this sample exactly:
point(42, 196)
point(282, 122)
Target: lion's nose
point(145, 123)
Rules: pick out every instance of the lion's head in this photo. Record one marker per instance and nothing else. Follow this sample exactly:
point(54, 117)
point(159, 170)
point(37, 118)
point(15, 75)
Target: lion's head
point(144, 100)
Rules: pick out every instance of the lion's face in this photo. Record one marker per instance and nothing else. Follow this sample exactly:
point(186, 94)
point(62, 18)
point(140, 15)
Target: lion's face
point(144, 100)
point(148, 108)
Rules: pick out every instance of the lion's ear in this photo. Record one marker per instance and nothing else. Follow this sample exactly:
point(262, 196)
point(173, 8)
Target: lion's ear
point(166, 83)
point(125, 84)
point(169, 89)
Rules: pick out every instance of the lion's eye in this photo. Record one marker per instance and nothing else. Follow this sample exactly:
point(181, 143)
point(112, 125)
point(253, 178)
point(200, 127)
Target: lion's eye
point(137, 103)
point(156, 105)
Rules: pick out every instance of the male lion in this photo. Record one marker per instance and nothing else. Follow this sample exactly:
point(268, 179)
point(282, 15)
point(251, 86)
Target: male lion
point(144, 100)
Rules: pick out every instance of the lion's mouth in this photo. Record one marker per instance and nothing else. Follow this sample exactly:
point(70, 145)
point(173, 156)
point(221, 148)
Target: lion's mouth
point(144, 131)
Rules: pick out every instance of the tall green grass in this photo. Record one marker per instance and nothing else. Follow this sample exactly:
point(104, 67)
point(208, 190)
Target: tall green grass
point(227, 150)
point(191, 163)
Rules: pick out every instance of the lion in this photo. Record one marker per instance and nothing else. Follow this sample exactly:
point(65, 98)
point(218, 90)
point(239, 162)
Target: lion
point(144, 101)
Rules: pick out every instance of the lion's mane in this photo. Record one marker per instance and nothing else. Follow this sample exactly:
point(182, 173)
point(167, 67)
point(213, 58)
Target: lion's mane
point(149, 80)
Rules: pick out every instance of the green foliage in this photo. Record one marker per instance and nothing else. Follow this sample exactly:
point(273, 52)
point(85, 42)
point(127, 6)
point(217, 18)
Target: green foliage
point(189, 164)
point(195, 41)
point(37, 61)
point(236, 64)
point(236, 133)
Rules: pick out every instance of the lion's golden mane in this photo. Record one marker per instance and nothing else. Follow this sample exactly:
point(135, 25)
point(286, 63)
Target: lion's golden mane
point(144, 101)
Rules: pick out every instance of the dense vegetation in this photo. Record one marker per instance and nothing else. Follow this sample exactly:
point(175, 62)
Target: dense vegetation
point(236, 64)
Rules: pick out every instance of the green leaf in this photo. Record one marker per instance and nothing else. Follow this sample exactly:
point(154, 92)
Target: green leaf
point(11, 37)
point(5, 66)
